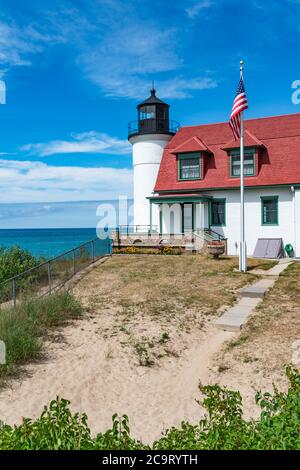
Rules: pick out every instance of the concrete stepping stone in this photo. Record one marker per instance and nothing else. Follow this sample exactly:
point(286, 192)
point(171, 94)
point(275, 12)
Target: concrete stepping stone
point(236, 317)
point(275, 271)
point(258, 289)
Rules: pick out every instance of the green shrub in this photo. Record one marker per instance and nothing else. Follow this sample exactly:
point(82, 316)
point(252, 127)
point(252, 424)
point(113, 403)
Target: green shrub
point(21, 327)
point(14, 261)
point(223, 428)
point(56, 429)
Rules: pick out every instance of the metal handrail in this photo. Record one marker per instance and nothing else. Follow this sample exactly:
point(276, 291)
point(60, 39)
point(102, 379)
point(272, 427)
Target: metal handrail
point(209, 235)
point(215, 235)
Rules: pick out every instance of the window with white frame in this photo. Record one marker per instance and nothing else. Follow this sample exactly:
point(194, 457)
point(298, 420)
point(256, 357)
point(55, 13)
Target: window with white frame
point(249, 163)
point(189, 166)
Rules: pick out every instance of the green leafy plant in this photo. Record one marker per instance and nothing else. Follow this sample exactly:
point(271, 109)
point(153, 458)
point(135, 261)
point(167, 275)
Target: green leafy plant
point(14, 261)
point(222, 428)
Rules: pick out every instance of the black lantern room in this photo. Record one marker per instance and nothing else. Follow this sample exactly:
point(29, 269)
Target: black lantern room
point(153, 118)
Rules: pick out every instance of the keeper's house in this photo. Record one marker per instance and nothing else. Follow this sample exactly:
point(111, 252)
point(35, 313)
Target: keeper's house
point(187, 179)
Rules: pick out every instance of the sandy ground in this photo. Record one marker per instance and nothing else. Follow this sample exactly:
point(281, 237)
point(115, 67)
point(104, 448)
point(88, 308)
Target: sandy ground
point(83, 369)
point(87, 362)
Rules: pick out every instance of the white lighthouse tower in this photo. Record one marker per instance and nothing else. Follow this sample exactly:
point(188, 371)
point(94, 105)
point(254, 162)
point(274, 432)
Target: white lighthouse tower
point(148, 135)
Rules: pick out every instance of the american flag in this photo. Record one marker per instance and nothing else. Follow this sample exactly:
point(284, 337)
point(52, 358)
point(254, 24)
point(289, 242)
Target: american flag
point(239, 105)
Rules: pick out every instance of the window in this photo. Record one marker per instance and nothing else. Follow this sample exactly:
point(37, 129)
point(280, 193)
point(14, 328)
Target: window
point(269, 210)
point(218, 215)
point(189, 166)
point(249, 163)
point(147, 112)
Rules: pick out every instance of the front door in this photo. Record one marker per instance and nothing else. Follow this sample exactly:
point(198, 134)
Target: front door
point(188, 218)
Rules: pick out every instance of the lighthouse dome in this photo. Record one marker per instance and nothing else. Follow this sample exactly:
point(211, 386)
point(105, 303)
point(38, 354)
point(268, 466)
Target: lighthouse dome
point(153, 118)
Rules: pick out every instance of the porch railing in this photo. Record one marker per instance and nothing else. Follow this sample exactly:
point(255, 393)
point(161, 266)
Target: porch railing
point(204, 233)
point(134, 229)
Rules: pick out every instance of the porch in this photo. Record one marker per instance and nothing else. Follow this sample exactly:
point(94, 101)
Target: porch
point(181, 214)
point(181, 221)
point(151, 237)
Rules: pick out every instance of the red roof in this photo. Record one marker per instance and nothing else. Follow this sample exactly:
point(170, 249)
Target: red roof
point(249, 141)
point(279, 160)
point(193, 144)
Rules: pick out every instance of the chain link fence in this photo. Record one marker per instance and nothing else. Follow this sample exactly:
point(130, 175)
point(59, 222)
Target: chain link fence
point(54, 273)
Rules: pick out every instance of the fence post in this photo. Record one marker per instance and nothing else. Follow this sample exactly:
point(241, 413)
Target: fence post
point(93, 251)
point(118, 236)
point(14, 292)
point(49, 277)
point(74, 267)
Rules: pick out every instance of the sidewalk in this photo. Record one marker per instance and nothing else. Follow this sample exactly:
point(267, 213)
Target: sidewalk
point(236, 317)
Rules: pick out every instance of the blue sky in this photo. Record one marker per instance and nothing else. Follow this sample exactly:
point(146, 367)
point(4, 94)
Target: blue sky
point(75, 70)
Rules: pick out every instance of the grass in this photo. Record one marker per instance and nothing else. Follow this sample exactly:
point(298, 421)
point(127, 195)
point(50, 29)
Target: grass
point(22, 327)
point(150, 301)
point(272, 330)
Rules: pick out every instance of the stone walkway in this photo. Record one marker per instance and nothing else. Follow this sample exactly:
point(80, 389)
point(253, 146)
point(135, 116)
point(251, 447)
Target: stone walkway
point(236, 317)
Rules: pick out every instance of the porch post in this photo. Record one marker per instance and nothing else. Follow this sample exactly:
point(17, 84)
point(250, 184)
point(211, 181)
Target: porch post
point(160, 218)
point(150, 231)
point(193, 216)
point(182, 217)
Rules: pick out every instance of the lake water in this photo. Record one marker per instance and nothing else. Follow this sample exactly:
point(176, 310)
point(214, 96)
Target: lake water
point(48, 242)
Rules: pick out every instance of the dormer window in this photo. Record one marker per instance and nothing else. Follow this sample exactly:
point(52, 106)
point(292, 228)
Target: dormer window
point(249, 163)
point(189, 166)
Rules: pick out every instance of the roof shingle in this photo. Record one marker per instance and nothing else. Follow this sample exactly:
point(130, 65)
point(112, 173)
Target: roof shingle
point(279, 159)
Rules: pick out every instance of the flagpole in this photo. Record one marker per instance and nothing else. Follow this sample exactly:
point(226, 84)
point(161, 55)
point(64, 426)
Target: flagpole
point(243, 249)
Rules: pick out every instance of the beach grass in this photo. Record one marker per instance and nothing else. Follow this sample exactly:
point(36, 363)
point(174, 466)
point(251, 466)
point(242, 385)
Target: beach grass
point(22, 327)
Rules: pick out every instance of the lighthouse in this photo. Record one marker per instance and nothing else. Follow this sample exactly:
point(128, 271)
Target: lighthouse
point(148, 135)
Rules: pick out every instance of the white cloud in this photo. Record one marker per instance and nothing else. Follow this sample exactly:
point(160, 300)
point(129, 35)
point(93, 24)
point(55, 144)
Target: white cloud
point(35, 181)
point(13, 47)
point(181, 87)
point(122, 67)
point(197, 7)
point(113, 44)
point(123, 60)
point(18, 44)
point(86, 142)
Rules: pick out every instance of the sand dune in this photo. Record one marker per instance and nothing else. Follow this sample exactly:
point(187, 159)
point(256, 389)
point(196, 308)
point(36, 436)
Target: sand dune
point(99, 380)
